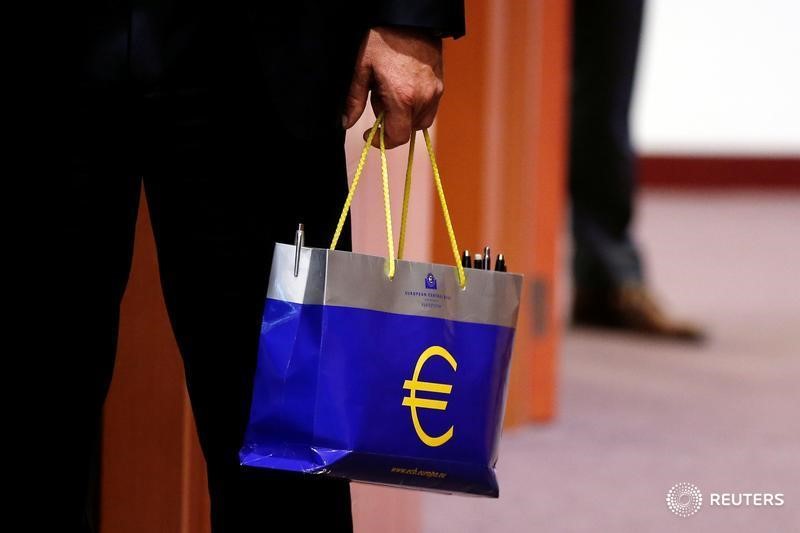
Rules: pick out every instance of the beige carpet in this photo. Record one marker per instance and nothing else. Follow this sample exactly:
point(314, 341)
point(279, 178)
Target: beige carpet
point(637, 416)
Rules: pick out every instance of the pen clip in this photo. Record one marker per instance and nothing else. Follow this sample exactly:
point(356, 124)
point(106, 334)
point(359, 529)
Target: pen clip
point(299, 237)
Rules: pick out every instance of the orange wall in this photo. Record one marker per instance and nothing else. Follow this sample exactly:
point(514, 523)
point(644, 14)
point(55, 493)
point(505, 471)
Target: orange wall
point(153, 475)
point(501, 140)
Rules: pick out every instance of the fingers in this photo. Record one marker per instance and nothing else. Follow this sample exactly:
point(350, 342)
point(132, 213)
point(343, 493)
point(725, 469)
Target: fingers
point(377, 108)
point(406, 112)
point(405, 77)
point(357, 96)
point(426, 113)
point(398, 119)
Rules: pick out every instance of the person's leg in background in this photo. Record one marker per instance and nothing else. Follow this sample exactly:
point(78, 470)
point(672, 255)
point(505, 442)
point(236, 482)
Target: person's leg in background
point(609, 284)
point(226, 182)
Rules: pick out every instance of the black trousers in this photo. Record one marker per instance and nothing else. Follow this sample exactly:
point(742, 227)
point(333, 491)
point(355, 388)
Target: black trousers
point(223, 181)
point(602, 177)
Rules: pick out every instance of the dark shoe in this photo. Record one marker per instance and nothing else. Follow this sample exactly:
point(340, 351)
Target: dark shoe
point(629, 308)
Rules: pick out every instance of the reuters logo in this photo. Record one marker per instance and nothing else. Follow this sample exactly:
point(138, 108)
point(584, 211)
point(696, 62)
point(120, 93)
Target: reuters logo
point(684, 499)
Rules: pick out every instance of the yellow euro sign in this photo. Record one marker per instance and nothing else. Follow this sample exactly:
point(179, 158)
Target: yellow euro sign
point(415, 385)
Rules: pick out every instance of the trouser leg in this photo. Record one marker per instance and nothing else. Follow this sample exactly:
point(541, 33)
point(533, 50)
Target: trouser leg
point(227, 188)
point(601, 175)
point(90, 220)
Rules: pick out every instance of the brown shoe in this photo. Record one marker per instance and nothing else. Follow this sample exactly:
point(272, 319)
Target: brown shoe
point(629, 308)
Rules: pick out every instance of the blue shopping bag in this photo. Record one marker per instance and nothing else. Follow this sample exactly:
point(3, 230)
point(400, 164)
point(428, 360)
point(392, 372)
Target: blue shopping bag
point(382, 371)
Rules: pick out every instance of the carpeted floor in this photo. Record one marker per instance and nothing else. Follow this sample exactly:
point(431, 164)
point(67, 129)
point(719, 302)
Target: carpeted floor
point(637, 416)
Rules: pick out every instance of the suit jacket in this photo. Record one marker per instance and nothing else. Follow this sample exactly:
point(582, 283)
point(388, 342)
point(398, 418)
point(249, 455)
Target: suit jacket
point(300, 52)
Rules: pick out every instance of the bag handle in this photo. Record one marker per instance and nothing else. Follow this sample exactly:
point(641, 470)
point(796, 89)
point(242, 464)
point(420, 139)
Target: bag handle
point(437, 180)
point(390, 267)
point(386, 204)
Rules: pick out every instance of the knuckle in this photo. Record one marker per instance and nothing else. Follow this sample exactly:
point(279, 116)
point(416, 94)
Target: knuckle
point(389, 142)
point(396, 137)
point(406, 97)
point(405, 93)
point(396, 141)
point(426, 121)
point(432, 93)
point(428, 95)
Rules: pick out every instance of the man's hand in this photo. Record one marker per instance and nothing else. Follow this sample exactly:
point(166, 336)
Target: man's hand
point(403, 68)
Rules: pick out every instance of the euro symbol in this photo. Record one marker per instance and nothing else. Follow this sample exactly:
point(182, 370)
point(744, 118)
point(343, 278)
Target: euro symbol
point(415, 385)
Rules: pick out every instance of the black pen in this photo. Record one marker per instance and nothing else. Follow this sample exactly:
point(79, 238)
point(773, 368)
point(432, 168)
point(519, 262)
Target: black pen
point(500, 263)
point(466, 259)
point(487, 258)
point(478, 263)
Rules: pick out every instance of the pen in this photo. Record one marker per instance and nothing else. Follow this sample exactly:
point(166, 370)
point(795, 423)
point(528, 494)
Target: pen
point(500, 263)
point(478, 263)
point(466, 259)
point(299, 237)
point(487, 258)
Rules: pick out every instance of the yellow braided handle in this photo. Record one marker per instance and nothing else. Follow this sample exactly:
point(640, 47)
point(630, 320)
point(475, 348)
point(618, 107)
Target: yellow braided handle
point(406, 195)
point(387, 206)
point(386, 203)
point(462, 277)
point(390, 267)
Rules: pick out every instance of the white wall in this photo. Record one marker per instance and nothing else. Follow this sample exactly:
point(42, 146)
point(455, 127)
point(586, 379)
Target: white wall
point(719, 76)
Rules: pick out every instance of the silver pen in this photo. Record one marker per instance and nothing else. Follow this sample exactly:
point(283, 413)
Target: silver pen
point(299, 236)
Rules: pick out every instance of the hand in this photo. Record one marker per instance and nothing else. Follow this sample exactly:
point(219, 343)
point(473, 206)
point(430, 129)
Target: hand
point(403, 69)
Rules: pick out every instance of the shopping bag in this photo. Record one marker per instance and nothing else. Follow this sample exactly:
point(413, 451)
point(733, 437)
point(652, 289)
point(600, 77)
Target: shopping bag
point(382, 370)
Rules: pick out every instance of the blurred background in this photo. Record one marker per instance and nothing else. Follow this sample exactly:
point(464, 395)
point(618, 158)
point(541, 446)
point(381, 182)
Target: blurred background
point(601, 421)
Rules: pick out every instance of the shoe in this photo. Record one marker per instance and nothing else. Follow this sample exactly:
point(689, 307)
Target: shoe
point(629, 308)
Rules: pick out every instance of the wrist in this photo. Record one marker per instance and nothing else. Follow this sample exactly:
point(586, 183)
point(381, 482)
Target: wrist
point(429, 35)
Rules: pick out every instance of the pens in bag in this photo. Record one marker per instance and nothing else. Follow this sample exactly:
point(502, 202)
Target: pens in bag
point(478, 262)
point(487, 258)
point(500, 263)
point(466, 259)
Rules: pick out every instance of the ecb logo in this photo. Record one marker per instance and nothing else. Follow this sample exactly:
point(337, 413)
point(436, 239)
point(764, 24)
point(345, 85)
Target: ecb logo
point(414, 385)
point(430, 281)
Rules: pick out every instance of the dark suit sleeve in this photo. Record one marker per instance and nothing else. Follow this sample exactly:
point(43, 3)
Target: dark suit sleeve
point(442, 17)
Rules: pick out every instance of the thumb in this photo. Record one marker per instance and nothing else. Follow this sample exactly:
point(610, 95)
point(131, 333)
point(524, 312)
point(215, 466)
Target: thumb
point(357, 96)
